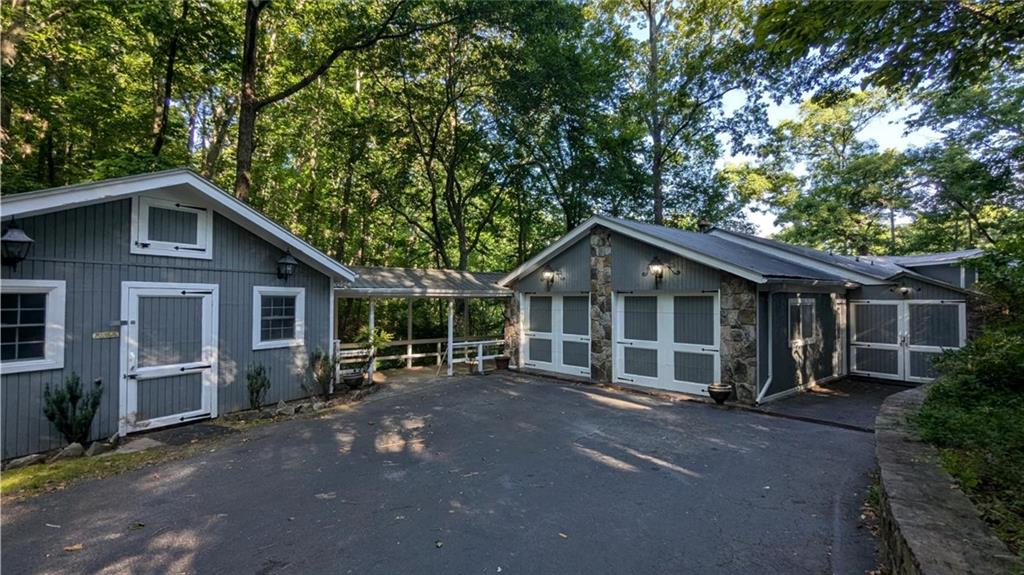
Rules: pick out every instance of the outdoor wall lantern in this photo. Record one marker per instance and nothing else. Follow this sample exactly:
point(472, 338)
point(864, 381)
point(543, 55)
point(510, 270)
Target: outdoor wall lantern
point(548, 276)
point(286, 266)
point(902, 289)
point(15, 245)
point(657, 269)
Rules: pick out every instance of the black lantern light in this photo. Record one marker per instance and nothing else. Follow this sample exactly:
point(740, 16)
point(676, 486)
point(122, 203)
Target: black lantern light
point(657, 269)
point(286, 266)
point(15, 244)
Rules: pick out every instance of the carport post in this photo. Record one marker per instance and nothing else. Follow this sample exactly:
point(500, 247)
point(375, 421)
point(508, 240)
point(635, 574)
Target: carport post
point(372, 334)
point(451, 333)
point(408, 333)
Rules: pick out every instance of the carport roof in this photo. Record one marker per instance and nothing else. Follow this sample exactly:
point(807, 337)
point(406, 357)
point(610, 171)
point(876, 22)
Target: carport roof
point(409, 282)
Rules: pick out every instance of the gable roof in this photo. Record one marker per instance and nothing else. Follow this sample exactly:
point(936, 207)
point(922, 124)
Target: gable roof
point(67, 197)
point(716, 252)
point(760, 260)
point(385, 281)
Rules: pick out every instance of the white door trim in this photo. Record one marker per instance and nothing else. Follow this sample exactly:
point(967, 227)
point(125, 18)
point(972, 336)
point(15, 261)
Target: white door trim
point(128, 399)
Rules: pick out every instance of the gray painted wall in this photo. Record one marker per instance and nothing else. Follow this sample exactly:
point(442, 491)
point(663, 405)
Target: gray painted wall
point(922, 290)
point(631, 257)
point(813, 362)
point(762, 339)
point(574, 265)
point(88, 247)
point(948, 273)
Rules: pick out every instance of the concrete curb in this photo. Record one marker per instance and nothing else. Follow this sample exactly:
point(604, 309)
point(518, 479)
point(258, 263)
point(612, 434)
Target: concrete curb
point(928, 526)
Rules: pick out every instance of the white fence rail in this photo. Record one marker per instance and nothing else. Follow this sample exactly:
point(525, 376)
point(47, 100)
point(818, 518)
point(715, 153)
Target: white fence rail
point(464, 350)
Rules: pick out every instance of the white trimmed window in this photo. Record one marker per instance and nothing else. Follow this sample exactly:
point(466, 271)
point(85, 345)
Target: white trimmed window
point(31, 325)
point(277, 316)
point(170, 228)
point(801, 322)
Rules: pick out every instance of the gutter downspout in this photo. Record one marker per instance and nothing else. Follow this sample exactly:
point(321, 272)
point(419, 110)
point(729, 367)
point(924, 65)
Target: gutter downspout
point(771, 351)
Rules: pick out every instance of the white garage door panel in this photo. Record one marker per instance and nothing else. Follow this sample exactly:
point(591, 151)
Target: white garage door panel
point(667, 341)
point(557, 333)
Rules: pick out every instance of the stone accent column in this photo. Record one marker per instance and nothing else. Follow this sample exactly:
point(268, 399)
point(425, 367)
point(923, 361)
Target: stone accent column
point(738, 348)
point(600, 305)
point(512, 322)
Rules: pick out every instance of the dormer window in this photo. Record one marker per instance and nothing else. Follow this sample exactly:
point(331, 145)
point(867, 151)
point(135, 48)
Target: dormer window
point(172, 228)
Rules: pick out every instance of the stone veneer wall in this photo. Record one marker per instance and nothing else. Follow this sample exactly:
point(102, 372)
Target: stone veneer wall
point(600, 305)
point(738, 348)
point(512, 319)
point(928, 526)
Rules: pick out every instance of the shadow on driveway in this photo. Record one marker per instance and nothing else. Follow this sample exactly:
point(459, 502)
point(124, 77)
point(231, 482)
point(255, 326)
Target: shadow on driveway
point(500, 473)
point(849, 401)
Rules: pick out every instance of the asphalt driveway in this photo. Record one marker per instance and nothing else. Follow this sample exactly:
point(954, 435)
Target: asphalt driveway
point(493, 474)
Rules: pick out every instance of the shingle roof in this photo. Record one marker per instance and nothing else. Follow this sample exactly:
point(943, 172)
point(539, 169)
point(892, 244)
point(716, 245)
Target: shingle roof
point(873, 267)
point(408, 282)
point(719, 248)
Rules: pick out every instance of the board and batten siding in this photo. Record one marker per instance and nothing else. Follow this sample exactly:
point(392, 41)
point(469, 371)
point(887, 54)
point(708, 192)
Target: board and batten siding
point(89, 248)
point(922, 290)
point(573, 267)
point(794, 368)
point(631, 257)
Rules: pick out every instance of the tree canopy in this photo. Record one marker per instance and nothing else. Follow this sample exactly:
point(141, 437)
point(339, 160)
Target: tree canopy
point(469, 135)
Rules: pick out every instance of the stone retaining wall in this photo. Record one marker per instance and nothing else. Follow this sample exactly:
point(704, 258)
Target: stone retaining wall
point(928, 526)
point(601, 305)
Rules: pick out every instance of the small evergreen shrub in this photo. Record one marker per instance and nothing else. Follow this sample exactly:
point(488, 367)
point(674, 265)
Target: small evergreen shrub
point(258, 383)
point(321, 375)
point(71, 411)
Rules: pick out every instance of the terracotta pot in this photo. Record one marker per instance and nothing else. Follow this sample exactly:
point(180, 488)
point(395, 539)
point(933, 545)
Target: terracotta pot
point(502, 361)
point(719, 392)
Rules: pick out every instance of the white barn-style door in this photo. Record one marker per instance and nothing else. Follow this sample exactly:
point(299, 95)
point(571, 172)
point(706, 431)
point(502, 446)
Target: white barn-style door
point(556, 333)
point(168, 354)
point(899, 339)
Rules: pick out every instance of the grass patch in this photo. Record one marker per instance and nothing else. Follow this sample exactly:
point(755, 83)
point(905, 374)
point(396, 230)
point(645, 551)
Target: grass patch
point(36, 479)
point(974, 415)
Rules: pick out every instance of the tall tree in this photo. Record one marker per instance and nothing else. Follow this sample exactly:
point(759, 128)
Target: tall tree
point(364, 26)
point(692, 54)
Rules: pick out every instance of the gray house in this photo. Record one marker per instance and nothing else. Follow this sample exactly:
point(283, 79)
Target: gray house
point(631, 303)
point(167, 289)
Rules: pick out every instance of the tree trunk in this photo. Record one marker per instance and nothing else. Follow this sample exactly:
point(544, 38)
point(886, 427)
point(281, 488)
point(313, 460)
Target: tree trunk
point(248, 104)
point(655, 122)
point(164, 107)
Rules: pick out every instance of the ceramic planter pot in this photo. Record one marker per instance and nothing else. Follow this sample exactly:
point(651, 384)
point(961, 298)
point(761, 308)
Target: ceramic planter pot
point(502, 361)
point(719, 392)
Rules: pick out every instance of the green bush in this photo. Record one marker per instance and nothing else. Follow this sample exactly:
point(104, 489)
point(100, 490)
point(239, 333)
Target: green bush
point(974, 414)
point(258, 383)
point(62, 407)
point(322, 371)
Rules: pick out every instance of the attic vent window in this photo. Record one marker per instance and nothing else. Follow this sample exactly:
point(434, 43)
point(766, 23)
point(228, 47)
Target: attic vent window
point(164, 227)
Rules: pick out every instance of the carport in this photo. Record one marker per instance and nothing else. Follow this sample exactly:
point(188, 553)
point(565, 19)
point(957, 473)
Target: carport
point(375, 284)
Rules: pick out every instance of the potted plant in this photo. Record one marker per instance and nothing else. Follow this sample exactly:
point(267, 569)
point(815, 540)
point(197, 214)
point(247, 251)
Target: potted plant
point(502, 361)
point(720, 392)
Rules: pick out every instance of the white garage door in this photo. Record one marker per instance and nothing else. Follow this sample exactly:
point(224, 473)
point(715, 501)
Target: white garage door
point(668, 341)
point(557, 333)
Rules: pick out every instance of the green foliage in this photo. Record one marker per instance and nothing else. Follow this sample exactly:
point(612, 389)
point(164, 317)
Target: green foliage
point(376, 340)
point(321, 374)
point(975, 415)
point(258, 384)
point(70, 410)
